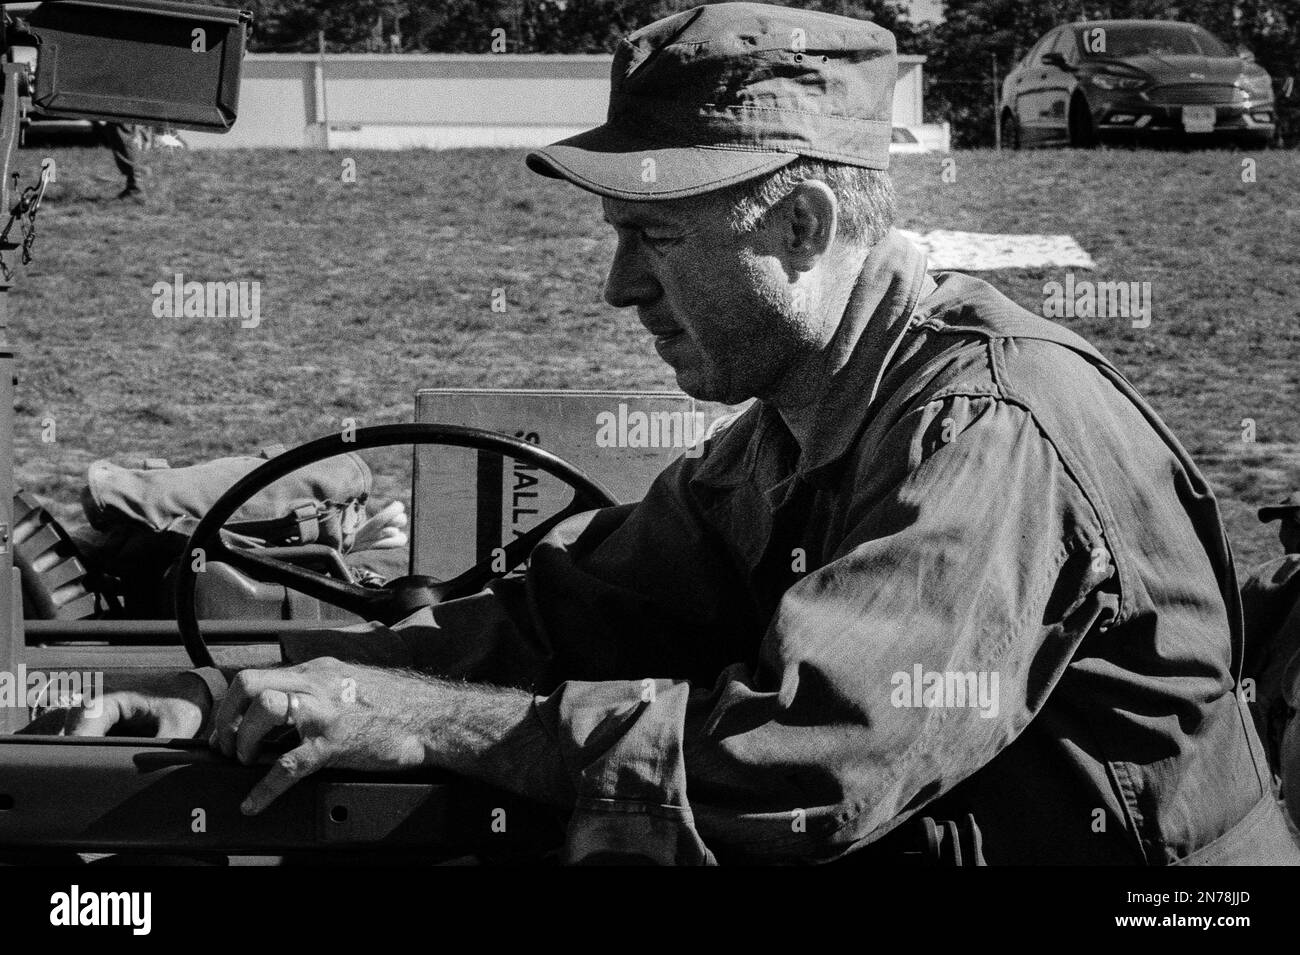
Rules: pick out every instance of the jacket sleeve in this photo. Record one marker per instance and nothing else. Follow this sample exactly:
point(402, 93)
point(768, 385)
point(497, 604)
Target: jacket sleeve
point(947, 608)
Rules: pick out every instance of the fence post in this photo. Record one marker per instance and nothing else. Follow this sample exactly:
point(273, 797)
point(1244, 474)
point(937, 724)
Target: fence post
point(322, 101)
point(997, 120)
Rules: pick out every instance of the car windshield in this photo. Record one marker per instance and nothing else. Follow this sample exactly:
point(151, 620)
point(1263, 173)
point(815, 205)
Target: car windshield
point(1157, 40)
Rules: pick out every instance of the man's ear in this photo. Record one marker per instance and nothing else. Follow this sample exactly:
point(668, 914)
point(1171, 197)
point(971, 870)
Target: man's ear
point(809, 224)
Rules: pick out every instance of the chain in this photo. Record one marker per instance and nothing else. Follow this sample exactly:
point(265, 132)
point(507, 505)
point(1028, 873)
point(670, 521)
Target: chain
point(14, 215)
point(28, 204)
point(29, 240)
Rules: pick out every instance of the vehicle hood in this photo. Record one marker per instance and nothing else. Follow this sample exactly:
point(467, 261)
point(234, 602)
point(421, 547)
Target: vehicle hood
point(1180, 69)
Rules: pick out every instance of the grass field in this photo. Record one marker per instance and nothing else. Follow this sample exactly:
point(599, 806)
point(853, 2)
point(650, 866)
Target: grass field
point(371, 290)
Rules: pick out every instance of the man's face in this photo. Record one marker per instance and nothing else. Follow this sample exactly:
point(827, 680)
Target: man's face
point(720, 306)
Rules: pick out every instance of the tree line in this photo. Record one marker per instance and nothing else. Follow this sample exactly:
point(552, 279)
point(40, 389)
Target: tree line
point(974, 39)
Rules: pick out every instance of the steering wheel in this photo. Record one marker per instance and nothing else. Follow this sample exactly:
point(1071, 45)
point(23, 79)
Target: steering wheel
point(402, 596)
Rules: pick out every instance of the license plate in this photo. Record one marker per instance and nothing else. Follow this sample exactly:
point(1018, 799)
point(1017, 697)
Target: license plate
point(1198, 119)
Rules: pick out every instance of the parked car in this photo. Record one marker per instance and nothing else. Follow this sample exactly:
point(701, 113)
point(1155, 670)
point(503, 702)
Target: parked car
point(1088, 81)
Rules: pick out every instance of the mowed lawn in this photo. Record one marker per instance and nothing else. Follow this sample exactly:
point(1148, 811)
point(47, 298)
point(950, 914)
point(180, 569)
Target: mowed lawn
point(374, 289)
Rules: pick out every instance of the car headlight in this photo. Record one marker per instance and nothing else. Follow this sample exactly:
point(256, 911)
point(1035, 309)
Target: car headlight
point(1113, 81)
point(1257, 84)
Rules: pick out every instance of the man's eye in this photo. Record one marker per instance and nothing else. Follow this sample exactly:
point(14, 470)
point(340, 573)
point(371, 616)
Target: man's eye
point(660, 241)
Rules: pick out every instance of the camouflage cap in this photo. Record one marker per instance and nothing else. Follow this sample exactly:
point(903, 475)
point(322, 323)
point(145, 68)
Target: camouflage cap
point(1288, 508)
point(727, 92)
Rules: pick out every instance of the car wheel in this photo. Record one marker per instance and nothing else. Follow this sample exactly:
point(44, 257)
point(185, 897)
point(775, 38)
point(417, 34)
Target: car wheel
point(1010, 131)
point(1083, 135)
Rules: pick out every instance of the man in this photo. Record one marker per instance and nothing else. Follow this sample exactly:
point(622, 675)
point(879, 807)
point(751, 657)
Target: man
point(1287, 514)
point(123, 140)
point(949, 564)
point(1270, 600)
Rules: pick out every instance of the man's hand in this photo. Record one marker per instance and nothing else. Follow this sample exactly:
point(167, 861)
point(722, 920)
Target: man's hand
point(171, 708)
point(384, 530)
point(357, 717)
point(347, 716)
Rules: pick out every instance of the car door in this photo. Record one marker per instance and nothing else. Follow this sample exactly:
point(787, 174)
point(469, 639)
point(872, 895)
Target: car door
point(1031, 91)
point(1015, 85)
point(1057, 85)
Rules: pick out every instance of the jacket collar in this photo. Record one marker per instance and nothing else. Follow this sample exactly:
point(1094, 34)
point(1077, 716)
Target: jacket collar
point(891, 282)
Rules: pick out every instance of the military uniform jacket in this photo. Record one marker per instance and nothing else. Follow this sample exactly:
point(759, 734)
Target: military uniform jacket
point(992, 583)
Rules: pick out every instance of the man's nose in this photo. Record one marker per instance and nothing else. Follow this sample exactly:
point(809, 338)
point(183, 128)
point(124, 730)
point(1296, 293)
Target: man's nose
point(629, 282)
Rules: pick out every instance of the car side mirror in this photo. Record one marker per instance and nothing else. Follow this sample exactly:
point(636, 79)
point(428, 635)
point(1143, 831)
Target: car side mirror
point(1246, 56)
point(1057, 60)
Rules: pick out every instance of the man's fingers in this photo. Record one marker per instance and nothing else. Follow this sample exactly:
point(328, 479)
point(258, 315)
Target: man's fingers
point(266, 713)
point(108, 712)
point(390, 537)
point(178, 719)
point(383, 530)
point(288, 769)
point(244, 688)
point(393, 515)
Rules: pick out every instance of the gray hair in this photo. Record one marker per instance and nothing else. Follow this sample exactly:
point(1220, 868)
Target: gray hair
point(866, 197)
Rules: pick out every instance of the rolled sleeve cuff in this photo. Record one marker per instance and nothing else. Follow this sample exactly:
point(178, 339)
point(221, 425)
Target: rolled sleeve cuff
point(621, 744)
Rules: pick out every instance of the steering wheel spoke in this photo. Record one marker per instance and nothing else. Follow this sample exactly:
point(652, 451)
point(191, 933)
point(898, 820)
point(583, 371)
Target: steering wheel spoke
point(340, 593)
point(515, 553)
point(400, 597)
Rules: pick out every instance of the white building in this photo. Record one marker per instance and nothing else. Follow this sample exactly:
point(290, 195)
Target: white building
point(438, 100)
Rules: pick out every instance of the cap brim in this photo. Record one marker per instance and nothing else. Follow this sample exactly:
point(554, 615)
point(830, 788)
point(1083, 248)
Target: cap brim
point(611, 162)
point(1273, 512)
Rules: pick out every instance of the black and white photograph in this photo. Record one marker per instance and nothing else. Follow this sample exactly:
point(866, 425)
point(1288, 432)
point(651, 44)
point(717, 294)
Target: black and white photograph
point(451, 435)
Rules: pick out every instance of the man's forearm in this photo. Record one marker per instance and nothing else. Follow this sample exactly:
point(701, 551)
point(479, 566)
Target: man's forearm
point(484, 732)
point(375, 718)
